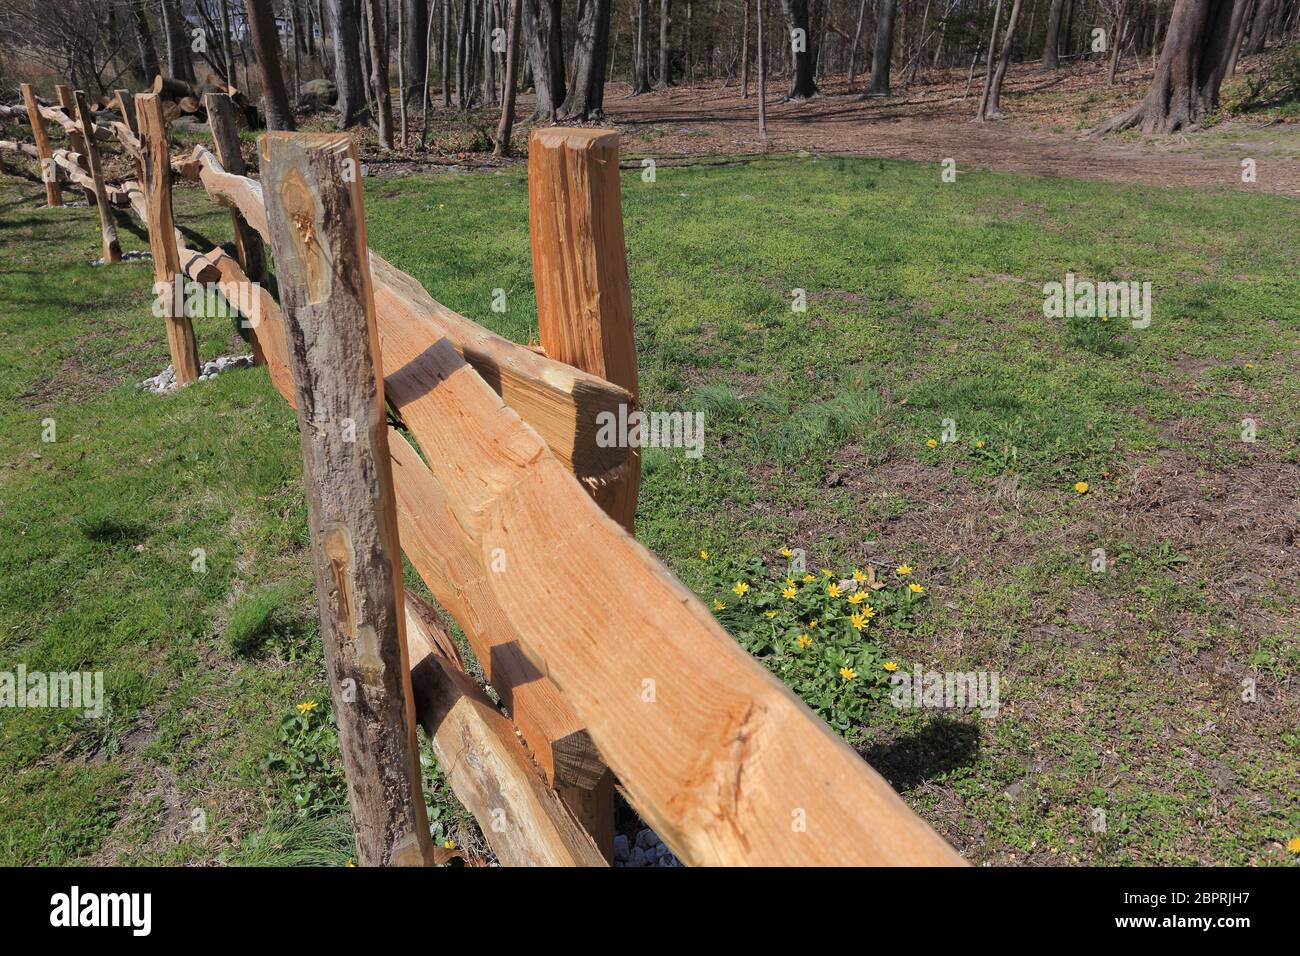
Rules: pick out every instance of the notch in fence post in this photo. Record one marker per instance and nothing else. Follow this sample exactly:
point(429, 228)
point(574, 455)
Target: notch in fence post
point(584, 298)
point(49, 172)
point(156, 172)
point(76, 140)
point(107, 227)
point(311, 183)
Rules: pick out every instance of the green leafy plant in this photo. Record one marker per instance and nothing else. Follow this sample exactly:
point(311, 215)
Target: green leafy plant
point(305, 761)
point(818, 631)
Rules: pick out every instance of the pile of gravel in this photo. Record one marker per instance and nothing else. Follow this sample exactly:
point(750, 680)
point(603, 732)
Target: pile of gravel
point(165, 381)
point(646, 850)
point(133, 256)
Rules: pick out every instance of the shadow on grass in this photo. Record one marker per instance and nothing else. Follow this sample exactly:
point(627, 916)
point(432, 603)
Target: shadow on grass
point(940, 747)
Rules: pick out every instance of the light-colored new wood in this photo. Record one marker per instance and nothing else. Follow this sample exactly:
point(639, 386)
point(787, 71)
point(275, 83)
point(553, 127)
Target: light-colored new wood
point(317, 221)
point(156, 172)
point(107, 226)
point(724, 761)
point(225, 143)
point(49, 174)
point(584, 298)
point(563, 403)
point(524, 822)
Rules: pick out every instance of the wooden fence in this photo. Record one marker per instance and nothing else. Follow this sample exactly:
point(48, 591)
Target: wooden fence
point(512, 513)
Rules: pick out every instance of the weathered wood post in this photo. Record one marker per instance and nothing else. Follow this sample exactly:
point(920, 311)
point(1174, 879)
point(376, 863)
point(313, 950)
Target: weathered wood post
point(584, 317)
point(126, 106)
point(318, 237)
point(49, 172)
point(76, 141)
point(584, 298)
point(225, 143)
point(156, 171)
point(107, 227)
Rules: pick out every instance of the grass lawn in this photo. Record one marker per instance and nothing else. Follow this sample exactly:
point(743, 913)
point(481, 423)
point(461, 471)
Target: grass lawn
point(1119, 691)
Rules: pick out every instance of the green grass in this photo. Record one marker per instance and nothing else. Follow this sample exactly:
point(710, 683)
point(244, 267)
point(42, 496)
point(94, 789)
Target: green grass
point(924, 303)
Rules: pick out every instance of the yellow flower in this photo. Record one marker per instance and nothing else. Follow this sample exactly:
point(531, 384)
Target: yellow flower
point(891, 666)
point(1252, 365)
point(352, 863)
point(979, 443)
point(931, 443)
point(848, 673)
point(789, 582)
point(916, 588)
point(449, 844)
point(1293, 844)
point(803, 640)
point(704, 555)
point(787, 553)
point(807, 578)
point(827, 573)
point(813, 622)
point(718, 605)
point(857, 597)
point(1081, 487)
point(834, 590)
point(740, 587)
point(769, 614)
point(867, 611)
point(307, 706)
point(858, 576)
point(904, 570)
point(859, 621)
point(789, 594)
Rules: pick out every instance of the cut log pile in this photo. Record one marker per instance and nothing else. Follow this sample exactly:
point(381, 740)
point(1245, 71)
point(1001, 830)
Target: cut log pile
point(511, 512)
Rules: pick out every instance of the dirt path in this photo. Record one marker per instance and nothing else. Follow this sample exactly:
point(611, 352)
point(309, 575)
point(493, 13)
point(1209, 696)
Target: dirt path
point(930, 121)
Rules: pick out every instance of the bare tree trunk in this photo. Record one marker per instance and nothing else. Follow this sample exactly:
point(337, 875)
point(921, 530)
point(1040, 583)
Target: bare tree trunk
point(744, 54)
point(1186, 83)
point(1117, 41)
point(804, 84)
point(489, 56)
point(266, 47)
point(665, 50)
point(1008, 39)
point(542, 27)
point(377, 35)
point(414, 51)
point(641, 62)
point(227, 55)
point(179, 63)
point(508, 93)
point(401, 70)
point(144, 40)
point(590, 49)
point(762, 77)
point(981, 113)
point(857, 38)
point(1259, 27)
point(348, 78)
point(428, 45)
point(446, 53)
point(1051, 59)
point(1240, 17)
point(884, 50)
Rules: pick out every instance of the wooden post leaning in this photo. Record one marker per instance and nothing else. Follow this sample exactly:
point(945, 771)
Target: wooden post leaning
point(318, 237)
point(76, 141)
point(107, 226)
point(156, 177)
point(49, 172)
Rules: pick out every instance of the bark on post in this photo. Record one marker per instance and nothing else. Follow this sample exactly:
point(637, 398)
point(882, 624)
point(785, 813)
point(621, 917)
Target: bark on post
point(126, 106)
point(107, 227)
point(156, 170)
point(49, 172)
point(315, 214)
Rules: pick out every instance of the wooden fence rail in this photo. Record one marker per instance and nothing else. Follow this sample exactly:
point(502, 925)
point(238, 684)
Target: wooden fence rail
point(517, 519)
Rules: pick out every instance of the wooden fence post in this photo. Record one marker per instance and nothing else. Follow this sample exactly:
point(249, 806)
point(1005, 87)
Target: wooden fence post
point(318, 237)
point(156, 171)
point(49, 172)
point(584, 317)
point(225, 142)
point(126, 106)
point(107, 227)
point(584, 298)
point(76, 141)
